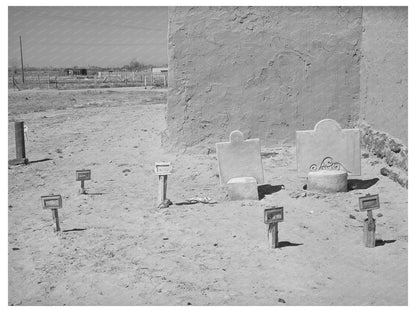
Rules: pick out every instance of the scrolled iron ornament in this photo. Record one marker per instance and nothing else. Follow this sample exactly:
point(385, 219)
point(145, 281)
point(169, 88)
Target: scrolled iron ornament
point(327, 164)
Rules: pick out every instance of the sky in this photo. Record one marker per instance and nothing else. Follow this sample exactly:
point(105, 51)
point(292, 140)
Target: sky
point(87, 36)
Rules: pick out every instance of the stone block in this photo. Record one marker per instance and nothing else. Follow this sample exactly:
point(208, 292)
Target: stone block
point(242, 188)
point(329, 181)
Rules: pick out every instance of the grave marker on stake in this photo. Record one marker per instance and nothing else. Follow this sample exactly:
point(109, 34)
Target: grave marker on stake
point(368, 203)
point(162, 170)
point(83, 175)
point(272, 217)
point(53, 202)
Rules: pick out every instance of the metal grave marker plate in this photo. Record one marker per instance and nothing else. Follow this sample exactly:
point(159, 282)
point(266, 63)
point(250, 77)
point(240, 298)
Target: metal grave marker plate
point(328, 141)
point(163, 168)
point(273, 215)
point(82, 175)
point(239, 158)
point(51, 201)
point(369, 202)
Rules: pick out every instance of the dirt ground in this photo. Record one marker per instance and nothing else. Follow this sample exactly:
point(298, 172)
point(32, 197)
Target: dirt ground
point(116, 248)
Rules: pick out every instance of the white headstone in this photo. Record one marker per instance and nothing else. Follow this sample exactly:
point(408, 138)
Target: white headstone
point(328, 146)
point(239, 158)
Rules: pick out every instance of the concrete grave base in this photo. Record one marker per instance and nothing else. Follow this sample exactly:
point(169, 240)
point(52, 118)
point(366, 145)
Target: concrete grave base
point(242, 188)
point(330, 181)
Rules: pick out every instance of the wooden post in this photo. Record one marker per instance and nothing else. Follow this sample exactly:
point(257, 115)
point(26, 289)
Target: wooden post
point(272, 217)
point(370, 230)
point(56, 219)
point(163, 185)
point(14, 87)
point(38, 80)
point(21, 60)
point(20, 140)
point(162, 170)
point(56, 82)
point(82, 175)
point(82, 187)
point(95, 81)
point(49, 80)
point(145, 82)
point(273, 235)
point(133, 78)
point(164, 80)
point(53, 202)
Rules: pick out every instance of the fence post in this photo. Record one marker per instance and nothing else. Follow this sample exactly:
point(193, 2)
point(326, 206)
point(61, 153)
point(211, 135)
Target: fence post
point(49, 80)
point(56, 82)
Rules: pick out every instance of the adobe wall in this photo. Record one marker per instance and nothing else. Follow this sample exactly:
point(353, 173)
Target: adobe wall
point(383, 94)
point(267, 71)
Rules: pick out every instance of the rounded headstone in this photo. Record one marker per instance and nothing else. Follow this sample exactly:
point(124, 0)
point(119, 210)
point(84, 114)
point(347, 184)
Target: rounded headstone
point(329, 181)
point(236, 136)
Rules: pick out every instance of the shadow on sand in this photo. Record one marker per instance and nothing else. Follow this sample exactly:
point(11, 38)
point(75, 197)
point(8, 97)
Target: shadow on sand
point(355, 184)
point(287, 244)
point(380, 242)
point(268, 189)
point(74, 230)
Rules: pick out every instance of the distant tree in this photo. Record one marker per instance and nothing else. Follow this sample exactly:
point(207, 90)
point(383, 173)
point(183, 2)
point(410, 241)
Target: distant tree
point(13, 65)
point(135, 65)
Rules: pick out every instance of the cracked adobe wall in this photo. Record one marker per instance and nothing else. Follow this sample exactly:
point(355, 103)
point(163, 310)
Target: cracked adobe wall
point(384, 65)
point(267, 71)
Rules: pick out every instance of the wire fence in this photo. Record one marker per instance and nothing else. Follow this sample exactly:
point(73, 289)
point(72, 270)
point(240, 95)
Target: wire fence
point(55, 80)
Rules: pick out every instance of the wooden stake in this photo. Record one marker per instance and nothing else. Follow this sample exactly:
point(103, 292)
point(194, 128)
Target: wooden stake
point(370, 230)
point(273, 235)
point(56, 218)
point(82, 187)
point(163, 185)
point(145, 82)
point(164, 80)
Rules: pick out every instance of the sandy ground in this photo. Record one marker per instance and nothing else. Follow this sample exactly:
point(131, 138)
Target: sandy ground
point(116, 248)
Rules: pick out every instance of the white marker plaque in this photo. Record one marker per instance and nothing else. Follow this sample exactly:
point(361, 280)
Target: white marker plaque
point(83, 175)
point(273, 215)
point(369, 202)
point(163, 168)
point(51, 201)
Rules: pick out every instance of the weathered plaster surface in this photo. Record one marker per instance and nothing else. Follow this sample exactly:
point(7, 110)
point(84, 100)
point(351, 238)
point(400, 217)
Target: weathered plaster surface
point(267, 71)
point(383, 68)
point(270, 71)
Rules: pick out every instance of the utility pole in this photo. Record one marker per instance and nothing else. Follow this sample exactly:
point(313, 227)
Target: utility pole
point(21, 59)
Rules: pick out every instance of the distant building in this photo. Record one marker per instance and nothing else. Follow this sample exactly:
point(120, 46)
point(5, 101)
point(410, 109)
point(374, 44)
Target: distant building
point(75, 71)
point(160, 71)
